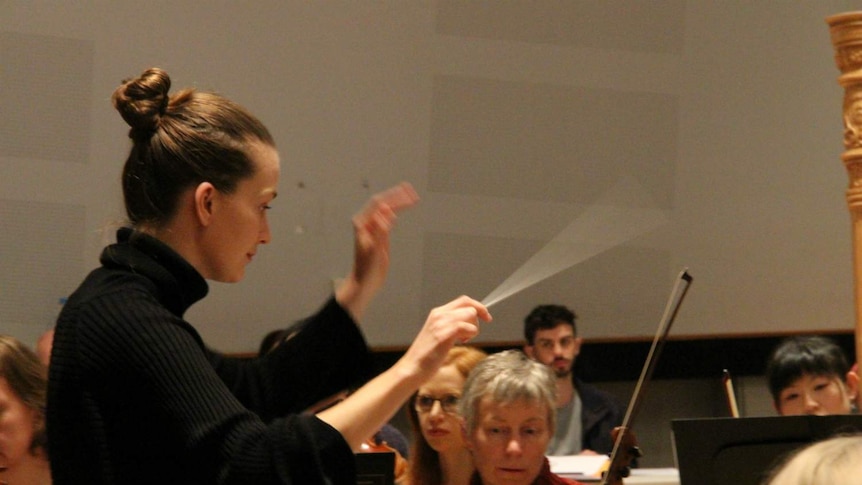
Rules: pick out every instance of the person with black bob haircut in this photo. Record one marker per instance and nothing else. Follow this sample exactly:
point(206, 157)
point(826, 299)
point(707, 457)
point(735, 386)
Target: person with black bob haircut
point(811, 375)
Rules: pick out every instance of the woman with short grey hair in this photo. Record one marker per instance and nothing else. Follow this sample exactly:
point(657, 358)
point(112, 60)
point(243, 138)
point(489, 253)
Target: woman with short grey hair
point(508, 407)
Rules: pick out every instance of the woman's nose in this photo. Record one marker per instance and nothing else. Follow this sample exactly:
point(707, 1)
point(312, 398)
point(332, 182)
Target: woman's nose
point(811, 404)
point(265, 234)
point(436, 411)
point(513, 447)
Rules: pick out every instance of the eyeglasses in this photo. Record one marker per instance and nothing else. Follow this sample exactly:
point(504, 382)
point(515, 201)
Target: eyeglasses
point(449, 403)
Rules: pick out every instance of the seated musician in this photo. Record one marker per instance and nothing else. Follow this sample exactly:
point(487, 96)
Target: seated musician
point(811, 375)
point(585, 414)
point(438, 455)
point(509, 412)
point(834, 461)
point(23, 386)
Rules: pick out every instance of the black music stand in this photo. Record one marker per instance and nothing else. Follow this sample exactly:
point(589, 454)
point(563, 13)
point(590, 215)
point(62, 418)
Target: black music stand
point(741, 451)
point(377, 468)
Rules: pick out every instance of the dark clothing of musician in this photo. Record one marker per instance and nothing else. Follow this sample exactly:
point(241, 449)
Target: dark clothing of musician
point(546, 477)
point(135, 397)
point(394, 438)
point(599, 414)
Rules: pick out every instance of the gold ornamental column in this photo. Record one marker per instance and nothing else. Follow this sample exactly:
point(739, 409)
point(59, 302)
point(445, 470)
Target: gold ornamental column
point(846, 33)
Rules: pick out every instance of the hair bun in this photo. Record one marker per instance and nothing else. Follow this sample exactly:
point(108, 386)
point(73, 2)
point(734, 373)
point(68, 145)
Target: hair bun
point(142, 101)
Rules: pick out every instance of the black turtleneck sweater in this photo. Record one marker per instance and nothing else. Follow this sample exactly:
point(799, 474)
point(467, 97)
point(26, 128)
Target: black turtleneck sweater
point(135, 397)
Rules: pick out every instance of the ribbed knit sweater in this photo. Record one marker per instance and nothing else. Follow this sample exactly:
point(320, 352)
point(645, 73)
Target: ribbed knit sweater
point(135, 397)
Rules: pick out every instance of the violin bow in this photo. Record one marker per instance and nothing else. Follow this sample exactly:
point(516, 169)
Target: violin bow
point(616, 466)
point(729, 393)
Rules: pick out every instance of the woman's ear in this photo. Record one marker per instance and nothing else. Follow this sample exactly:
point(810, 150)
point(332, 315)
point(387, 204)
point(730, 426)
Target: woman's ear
point(39, 442)
point(203, 200)
point(851, 380)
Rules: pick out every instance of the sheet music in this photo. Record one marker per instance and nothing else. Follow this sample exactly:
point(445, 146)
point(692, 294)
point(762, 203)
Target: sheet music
point(575, 466)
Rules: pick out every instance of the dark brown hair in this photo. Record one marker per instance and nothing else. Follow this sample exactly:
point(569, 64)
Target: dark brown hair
point(546, 317)
point(180, 141)
point(424, 460)
point(28, 379)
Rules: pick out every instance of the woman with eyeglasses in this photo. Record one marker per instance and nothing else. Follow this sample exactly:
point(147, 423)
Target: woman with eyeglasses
point(437, 452)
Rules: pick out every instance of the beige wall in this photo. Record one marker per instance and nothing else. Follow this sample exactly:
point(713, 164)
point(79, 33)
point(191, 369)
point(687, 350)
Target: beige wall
point(513, 119)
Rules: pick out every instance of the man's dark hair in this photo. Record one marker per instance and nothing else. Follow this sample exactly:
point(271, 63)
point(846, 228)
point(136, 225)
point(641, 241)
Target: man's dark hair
point(545, 317)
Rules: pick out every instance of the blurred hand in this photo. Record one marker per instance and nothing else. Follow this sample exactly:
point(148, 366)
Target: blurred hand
point(371, 228)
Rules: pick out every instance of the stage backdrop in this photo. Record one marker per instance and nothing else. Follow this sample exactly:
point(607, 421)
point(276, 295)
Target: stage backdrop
point(515, 120)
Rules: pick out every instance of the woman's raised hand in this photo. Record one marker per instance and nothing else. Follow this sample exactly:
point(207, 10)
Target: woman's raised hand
point(371, 228)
